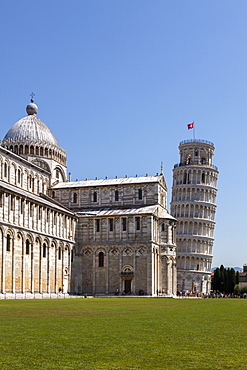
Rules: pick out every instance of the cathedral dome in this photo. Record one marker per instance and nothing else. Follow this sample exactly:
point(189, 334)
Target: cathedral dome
point(30, 137)
point(30, 130)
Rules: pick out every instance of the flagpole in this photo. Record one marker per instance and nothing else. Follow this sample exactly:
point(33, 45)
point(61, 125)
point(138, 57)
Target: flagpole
point(194, 131)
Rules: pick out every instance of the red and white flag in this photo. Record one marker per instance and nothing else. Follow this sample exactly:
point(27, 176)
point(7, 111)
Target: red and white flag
point(190, 125)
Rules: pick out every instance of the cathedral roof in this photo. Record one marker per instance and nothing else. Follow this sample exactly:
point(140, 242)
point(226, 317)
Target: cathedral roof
point(107, 182)
point(30, 130)
point(131, 211)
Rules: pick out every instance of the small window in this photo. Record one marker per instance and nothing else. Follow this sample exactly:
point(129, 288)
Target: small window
point(95, 196)
point(27, 246)
point(5, 170)
point(116, 196)
point(138, 223)
point(140, 194)
point(75, 198)
point(53, 194)
point(31, 209)
point(203, 178)
point(163, 227)
point(22, 206)
point(8, 243)
point(196, 153)
point(59, 253)
point(57, 174)
point(124, 223)
point(72, 255)
point(101, 259)
point(203, 161)
point(12, 203)
point(40, 213)
point(44, 251)
point(19, 176)
point(97, 225)
point(111, 224)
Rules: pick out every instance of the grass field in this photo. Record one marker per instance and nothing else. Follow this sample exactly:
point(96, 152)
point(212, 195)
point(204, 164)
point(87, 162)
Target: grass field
point(124, 334)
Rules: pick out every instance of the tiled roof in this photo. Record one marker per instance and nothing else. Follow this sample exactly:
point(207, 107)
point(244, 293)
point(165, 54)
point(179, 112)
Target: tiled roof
point(131, 211)
point(107, 182)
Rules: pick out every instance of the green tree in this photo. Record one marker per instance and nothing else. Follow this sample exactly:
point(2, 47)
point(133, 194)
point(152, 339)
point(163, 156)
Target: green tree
point(237, 277)
point(224, 280)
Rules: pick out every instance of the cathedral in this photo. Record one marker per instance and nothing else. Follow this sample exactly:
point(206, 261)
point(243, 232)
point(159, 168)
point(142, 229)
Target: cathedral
point(102, 236)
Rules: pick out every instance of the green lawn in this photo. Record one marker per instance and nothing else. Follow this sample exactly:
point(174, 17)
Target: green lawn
point(125, 333)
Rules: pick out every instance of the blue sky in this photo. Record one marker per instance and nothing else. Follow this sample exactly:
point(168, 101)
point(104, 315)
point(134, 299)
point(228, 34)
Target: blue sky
point(118, 81)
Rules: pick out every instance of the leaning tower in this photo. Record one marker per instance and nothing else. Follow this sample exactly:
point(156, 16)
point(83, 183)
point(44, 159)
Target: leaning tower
point(194, 205)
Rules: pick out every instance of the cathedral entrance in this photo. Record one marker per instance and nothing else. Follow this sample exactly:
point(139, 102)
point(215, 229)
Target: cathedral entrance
point(127, 286)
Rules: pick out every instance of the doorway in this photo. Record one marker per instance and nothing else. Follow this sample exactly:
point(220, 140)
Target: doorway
point(127, 286)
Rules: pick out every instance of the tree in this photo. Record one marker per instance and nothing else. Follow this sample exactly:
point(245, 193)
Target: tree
point(224, 280)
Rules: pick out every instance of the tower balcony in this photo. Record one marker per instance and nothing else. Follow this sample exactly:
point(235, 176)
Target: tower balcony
point(195, 164)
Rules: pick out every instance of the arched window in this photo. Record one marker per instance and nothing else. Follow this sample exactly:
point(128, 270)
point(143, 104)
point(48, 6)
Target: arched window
point(95, 196)
point(59, 253)
point(27, 246)
point(44, 250)
point(8, 243)
point(101, 259)
point(203, 178)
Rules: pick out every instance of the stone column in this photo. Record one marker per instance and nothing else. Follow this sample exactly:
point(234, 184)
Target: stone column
point(167, 276)
point(13, 267)
point(107, 271)
point(56, 272)
point(62, 269)
point(3, 263)
point(94, 272)
point(32, 270)
point(174, 278)
point(40, 267)
point(48, 269)
point(23, 267)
